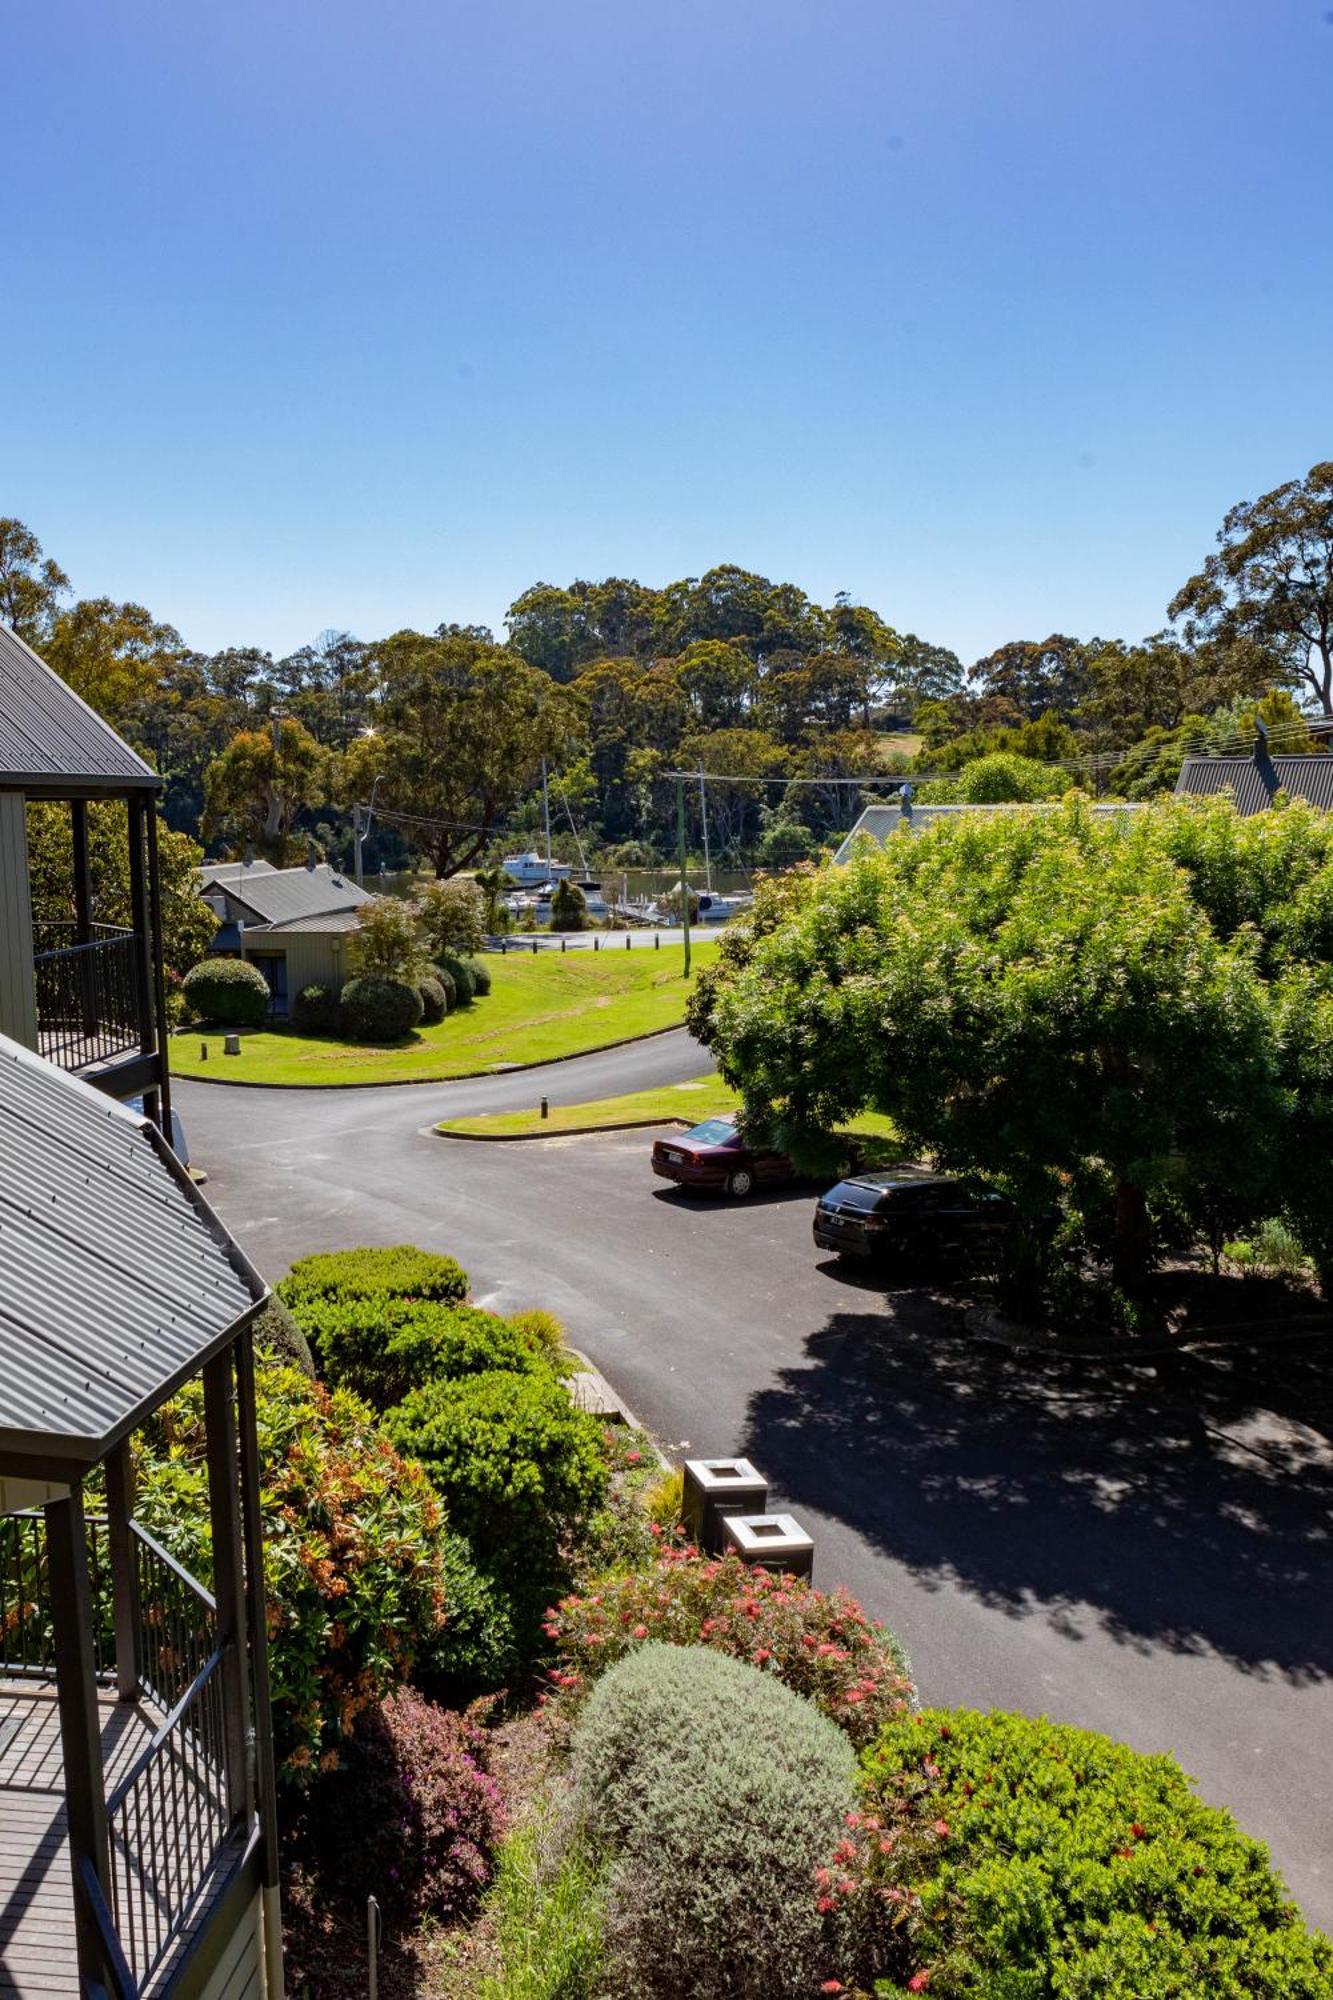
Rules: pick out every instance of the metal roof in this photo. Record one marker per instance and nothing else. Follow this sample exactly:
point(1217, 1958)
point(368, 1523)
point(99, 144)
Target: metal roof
point(1254, 782)
point(47, 734)
point(880, 822)
point(232, 872)
point(117, 1281)
point(285, 893)
point(327, 923)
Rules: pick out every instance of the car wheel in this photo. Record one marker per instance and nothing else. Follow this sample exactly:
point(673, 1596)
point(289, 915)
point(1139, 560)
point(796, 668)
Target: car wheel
point(740, 1183)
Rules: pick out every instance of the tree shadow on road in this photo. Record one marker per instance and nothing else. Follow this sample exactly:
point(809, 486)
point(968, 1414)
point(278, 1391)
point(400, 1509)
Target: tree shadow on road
point(1047, 1488)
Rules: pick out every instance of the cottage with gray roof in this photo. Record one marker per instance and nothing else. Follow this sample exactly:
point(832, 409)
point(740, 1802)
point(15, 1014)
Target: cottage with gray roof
point(293, 923)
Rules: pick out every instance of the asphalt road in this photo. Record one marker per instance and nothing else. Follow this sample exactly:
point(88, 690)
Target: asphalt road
point(1104, 1550)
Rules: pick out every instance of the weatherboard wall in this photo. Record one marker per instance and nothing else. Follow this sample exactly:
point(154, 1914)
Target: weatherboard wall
point(18, 1000)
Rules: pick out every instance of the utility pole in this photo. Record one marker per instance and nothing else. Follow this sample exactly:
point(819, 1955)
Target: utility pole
point(546, 816)
point(357, 869)
point(703, 808)
point(684, 885)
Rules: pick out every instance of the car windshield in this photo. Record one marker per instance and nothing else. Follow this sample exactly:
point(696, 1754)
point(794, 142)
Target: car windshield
point(713, 1132)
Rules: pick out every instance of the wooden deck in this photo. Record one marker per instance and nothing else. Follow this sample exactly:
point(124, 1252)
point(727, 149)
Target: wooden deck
point(37, 1959)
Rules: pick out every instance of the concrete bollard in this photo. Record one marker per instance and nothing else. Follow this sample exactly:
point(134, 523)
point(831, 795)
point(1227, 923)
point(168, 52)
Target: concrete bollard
point(546, 1109)
point(596, 943)
point(534, 947)
point(627, 940)
point(657, 941)
point(769, 1541)
point(564, 945)
point(714, 1488)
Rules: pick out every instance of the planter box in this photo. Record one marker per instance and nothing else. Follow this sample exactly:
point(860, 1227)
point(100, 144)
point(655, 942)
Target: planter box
point(770, 1541)
point(714, 1488)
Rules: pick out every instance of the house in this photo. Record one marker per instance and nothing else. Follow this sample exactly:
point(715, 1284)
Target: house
point(1255, 781)
point(86, 993)
point(293, 923)
point(905, 815)
point(138, 1844)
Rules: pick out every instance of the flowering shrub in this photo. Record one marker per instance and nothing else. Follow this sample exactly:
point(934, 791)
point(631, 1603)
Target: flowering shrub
point(413, 1815)
point(355, 1563)
point(1005, 1856)
point(821, 1644)
point(381, 1348)
point(712, 1794)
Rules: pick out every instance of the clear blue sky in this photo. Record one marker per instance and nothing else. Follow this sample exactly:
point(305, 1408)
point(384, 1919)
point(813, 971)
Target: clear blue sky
point(982, 310)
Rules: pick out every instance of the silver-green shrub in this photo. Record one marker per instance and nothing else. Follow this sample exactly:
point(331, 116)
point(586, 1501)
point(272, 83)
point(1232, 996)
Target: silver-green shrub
point(712, 1794)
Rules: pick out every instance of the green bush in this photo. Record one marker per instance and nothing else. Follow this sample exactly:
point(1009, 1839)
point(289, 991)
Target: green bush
point(1015, 1859)
point(403, 1272)
point(317, 1010)
point(229, 992)
point(434, 1000)
point(355, 1563)
point(713, 1794)
point(475, 1652)
point(460, 971)
point(447, 985)
point(277, 1332)
point(378, 1009)
point(518, 1468)
point(383, 1348)
point(481, 976)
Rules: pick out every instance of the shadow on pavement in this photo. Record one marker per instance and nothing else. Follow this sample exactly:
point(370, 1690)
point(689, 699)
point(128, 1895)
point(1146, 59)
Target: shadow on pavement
point(1044, 1489)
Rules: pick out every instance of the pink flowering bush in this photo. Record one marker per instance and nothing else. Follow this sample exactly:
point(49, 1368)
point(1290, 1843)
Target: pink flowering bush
point(819, 1643)
point(414, 1814)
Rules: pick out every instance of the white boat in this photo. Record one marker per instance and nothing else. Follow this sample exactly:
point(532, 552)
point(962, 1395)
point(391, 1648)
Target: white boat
point(534, 871)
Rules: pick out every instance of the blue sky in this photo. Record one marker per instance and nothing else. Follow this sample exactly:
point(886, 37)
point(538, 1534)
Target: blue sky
point(982, 310)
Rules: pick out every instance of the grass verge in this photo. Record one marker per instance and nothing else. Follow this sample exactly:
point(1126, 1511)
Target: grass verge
point(539, 1009)
point(669, 1103)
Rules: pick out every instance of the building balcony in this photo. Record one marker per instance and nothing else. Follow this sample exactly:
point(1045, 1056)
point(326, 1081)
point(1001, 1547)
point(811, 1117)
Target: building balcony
point(91, 995)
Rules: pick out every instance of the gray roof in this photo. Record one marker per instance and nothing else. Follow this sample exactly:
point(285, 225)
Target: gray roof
point(328, 923)
point(49, 737)
point(232, 872)
point(117, 1281)
point(1254, 782)
point(285, 893)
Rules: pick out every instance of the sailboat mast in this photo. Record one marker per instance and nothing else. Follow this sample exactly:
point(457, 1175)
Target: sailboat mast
point(703, 808)
point(546, 817)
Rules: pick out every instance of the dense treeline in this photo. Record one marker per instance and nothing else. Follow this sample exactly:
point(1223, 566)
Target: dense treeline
point(786, 703)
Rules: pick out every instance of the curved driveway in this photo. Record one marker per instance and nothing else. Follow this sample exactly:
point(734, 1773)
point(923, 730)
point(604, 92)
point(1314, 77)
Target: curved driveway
point(1103, 1549)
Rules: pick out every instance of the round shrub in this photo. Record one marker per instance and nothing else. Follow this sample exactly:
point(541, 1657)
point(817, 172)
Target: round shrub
point(1027, 1857)
point(377, 1009)
point(445, 981)
point(317, 1010)
point(413, 1813)
point(434, 1000)
point(278, 1333)
point(460, 971)
point(354, 1551)
point(713, 1794)
point(402, 1272)
point(518, 1468)
point(481, 976)
point(475, 1651)
point(820, 1643)
point(383, 1348)
point(227, 991)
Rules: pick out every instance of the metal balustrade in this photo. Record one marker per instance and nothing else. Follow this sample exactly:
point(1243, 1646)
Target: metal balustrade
point(89, 1004)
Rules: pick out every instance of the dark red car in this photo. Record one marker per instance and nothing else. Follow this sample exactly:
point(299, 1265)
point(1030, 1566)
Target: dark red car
point(715, 1158)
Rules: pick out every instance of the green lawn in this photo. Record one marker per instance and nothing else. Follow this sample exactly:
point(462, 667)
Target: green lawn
point(680, 1103)
point(539, 1009)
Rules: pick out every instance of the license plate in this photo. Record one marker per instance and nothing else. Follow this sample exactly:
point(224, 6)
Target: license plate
point(676, 1159)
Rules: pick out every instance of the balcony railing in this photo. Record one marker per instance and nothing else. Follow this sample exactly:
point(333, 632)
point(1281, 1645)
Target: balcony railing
point(88, 995)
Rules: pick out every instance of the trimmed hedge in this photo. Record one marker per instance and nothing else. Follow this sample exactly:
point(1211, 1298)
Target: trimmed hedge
point(317, 1010)
point(518, 1468)
point(481, 976)
point(376, 1009)
point(384, 1348)
point(403, 1272)
point(445, 981)
point(1011, 1858)
point(434, 1000)
point(229, 992)
point(460, 971)
point(477, 1652)
point(278, 1333)
point(713, 1794)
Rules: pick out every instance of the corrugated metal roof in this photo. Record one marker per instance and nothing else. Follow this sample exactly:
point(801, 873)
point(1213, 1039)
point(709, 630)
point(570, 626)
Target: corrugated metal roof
point(1254, 783)
point(328, 924)
point(285, 893)
point(116, 1279)
point(232, 872)
point(46, 732)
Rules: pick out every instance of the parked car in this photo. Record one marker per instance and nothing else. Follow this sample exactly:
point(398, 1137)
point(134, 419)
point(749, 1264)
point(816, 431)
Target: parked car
point(897, 1216)
point(716, 1158)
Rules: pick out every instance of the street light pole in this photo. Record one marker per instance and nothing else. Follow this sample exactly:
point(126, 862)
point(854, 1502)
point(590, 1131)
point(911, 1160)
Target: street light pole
point(360, 834)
